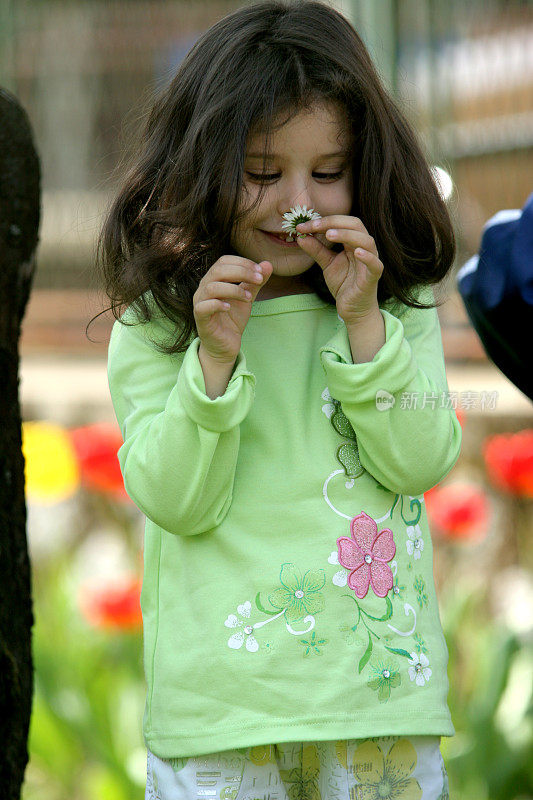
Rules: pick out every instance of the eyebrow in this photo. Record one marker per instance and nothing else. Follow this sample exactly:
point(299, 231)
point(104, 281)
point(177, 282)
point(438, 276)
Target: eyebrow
point(275, 155)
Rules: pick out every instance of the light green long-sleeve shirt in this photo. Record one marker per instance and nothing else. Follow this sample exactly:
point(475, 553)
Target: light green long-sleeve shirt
point(288, 589)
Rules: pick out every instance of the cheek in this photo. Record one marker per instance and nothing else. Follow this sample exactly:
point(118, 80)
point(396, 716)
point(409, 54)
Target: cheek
point(346, 190)
point(247, 198)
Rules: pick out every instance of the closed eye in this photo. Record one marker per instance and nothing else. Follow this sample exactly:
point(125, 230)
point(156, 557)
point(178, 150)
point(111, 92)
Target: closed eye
point(274, 176)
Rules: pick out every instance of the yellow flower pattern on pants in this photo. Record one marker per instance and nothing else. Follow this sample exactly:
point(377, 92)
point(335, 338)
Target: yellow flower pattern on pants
point(302, 783)
point(388, 768)
point(385, 777)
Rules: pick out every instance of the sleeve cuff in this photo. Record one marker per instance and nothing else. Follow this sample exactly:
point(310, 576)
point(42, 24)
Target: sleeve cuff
point(224, 412)
point(390, 370)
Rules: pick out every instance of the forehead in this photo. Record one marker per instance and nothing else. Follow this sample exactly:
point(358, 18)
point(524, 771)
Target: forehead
point(320, 130)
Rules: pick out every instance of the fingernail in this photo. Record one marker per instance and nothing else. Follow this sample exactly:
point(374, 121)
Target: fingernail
point(331, 232)
point(247, 294)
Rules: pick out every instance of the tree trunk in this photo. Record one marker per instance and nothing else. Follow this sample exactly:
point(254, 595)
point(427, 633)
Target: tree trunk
point(19, 223)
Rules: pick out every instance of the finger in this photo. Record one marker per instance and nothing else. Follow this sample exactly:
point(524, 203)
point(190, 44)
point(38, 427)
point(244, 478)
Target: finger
point(235, 273)
point(227, 291)
point(352, 238)
point(234, 259)
point(206, 308)
point(371, 260)
point(333, 221)
point(313, 247)
point(267, 269)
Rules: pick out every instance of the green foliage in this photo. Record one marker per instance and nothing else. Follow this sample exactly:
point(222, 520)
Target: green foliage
point(491, 700)
point(85, 738)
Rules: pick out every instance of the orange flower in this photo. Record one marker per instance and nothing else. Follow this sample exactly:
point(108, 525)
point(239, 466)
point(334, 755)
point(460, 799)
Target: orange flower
point(113, 607)
point(509, 462)
point(458, 510)
point(96, 447)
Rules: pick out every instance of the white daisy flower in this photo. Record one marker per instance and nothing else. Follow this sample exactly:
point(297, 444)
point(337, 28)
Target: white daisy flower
point(244, 635)
point(415, 543)
point(296, 215)
point(419, 670)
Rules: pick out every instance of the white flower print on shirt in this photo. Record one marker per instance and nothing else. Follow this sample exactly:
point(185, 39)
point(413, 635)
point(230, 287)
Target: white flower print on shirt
point(415, 543)
point(419, 670)
point(245, 635)
point(340, 578)
point(329, 407)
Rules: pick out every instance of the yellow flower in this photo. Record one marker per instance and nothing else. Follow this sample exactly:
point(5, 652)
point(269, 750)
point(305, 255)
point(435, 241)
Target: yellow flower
point(262, 754)
point(51, 469)
point(303, 783)
point(385, 777)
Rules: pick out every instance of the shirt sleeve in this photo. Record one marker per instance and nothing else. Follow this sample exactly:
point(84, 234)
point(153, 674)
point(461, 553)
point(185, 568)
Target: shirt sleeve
point(180, 447)
point(408, 436)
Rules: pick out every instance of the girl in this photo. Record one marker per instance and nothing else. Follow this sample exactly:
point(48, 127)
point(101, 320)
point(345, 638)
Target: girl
point(284, 409)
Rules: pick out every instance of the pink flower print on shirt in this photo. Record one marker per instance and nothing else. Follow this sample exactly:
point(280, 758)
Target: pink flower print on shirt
point(366, 554)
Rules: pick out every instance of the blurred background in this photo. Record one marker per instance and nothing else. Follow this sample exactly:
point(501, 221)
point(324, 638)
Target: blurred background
point(85, 70)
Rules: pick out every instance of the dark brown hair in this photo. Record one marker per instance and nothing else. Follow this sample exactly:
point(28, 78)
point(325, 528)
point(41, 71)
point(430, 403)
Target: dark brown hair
point(174, 215)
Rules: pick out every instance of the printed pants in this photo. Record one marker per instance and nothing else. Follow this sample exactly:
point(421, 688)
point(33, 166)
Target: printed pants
point(389, 768)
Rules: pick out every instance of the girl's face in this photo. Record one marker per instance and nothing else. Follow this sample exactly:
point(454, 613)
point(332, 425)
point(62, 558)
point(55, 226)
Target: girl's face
point(309, 165)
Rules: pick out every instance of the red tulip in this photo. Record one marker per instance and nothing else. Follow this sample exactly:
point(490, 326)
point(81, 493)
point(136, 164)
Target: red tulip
point(458, 510)
point(509, 462)
point(96, 447)
point(115, 606)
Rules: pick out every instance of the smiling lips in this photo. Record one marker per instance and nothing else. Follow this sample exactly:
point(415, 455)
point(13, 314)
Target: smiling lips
point(279, 234)
point(281, 238)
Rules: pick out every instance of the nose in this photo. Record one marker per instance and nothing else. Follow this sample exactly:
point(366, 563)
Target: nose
point(294, 190)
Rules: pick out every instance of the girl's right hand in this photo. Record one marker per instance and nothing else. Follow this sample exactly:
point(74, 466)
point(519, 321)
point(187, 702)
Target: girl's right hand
point(220, 328)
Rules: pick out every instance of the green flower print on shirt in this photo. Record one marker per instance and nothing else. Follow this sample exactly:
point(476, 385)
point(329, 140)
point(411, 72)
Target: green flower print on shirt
point(347, 453)
point(386, 676)
point(298, 595)
point(398, 589)
point(420, 645)
point(313, 644)
point(420, 588)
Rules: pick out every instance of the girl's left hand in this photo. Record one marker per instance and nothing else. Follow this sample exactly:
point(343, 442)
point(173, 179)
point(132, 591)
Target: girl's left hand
point(352, 275)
